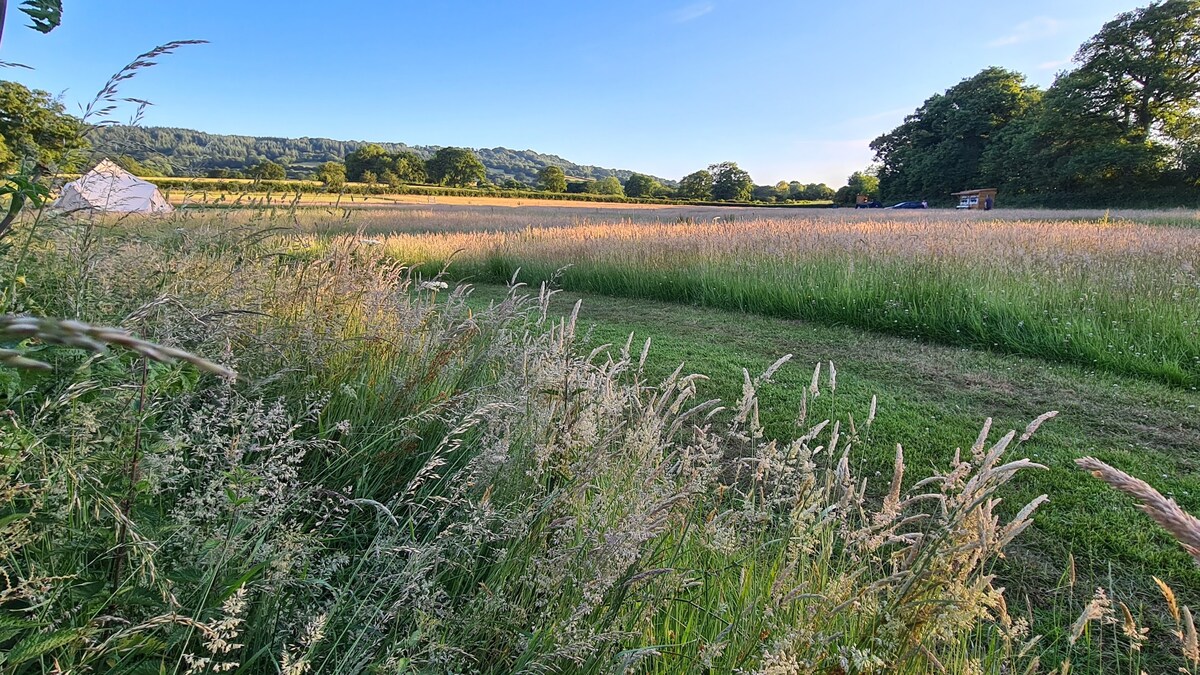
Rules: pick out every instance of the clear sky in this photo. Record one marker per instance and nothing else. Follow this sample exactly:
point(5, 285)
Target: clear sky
point(789, 89)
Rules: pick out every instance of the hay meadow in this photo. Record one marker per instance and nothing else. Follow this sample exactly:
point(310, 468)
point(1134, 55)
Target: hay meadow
point(1107, 290)
point(427, 462)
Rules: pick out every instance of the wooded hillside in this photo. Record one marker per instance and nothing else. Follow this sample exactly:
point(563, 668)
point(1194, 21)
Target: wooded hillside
point(185, 152)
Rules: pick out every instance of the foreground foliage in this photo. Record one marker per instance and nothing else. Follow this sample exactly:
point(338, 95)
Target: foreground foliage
point(398, 483)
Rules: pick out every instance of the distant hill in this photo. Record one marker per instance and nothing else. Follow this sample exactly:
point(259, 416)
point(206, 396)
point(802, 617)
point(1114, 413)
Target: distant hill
point(184, 152)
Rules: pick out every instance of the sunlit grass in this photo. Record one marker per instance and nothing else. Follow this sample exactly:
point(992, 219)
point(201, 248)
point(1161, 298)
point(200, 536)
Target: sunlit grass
point(1112, 294)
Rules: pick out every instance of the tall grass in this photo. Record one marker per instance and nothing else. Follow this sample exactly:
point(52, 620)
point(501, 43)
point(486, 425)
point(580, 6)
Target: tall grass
point(398, 483)
point(1108, 294)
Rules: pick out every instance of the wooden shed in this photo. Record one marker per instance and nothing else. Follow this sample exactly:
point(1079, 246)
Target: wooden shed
point(982, 199)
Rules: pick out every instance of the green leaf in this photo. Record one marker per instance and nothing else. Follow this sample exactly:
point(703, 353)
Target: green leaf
point(36, 646)
point(9, 519)
point(12, 625)
point(46, 14)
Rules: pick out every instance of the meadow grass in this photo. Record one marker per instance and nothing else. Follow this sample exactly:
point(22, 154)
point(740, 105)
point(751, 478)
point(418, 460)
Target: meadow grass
point(1111, 293)
point(929, 397)
point(402, 481)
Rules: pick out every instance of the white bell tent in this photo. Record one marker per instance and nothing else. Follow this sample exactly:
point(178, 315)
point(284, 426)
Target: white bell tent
point(110, 189)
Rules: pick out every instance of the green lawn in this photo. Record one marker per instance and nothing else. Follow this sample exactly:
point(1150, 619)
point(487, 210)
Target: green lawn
point(933, 399)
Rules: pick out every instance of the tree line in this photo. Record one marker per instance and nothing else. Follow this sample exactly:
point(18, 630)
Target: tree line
point(35, 129)
point(1121, 127)
point(168, 151)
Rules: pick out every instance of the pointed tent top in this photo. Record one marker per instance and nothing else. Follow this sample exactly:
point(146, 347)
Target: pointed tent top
point(108, 166)
point(109, 188)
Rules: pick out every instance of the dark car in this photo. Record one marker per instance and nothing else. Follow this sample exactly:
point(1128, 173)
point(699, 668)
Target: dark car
point(869, 205)
point(909, 205)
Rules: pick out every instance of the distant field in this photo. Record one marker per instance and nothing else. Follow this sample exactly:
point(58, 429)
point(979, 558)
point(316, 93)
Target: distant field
point(285, 199)
point(226, 192)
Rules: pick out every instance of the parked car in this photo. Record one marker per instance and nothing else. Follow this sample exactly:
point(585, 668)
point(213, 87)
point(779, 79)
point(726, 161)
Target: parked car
point(910, 205)
point(869, 205)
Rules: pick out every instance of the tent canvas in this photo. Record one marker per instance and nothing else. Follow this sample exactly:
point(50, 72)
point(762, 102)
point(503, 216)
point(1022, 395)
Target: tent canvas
point(111, 189)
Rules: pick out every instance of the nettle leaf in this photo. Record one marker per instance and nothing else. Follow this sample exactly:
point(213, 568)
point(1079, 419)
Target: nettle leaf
point(37, 645)
point(46, 14)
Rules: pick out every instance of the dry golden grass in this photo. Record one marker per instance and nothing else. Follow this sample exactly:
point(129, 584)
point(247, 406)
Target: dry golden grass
point(1183, 526)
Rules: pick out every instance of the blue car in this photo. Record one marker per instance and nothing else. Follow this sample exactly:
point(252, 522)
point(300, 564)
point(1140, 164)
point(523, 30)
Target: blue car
point(910, 205)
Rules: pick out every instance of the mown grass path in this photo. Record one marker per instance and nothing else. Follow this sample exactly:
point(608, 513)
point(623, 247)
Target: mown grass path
point(933, 399)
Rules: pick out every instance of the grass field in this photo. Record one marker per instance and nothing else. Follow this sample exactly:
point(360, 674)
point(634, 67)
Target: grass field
point(933, 397)
point(413, 476)
point(247, 193)
point(1110, 293)
point(198, 197)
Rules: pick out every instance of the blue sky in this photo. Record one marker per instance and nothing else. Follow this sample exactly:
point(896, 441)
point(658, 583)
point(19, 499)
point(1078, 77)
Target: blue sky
point(791, 90)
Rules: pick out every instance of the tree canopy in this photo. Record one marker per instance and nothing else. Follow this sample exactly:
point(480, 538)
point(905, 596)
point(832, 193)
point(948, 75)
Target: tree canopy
point(937, 150)
point(640, 185)
point(552, 179)
point(268, 170)
point(730, 183)
point(195, 153)
point(606, 186)
point(697, 185)
point(332, 174)
point(1122, 127)
point(36, 130)
point(371, 157)
point(859, 183)
point(1144, 66)
point(457, 167)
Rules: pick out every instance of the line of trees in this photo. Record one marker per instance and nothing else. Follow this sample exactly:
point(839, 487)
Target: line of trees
point(185, 152)
point(35, 129)
point(371, 164)
point(459, 167)
point(1120, 128)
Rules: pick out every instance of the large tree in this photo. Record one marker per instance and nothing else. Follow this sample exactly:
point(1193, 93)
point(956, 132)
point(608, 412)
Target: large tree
point(1124, 121)
point(552, 179)
point(268, 170)
point(697, 186)
point(859, 183)
point(332, 174)
point(1146, 66)
point(641, 185)
point(457, 167)
point(609, 185)
point(937, 149)
point(371, 158)
point(730, 183)
point(409, 167)
point(36, 129)
point(1068, 144)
